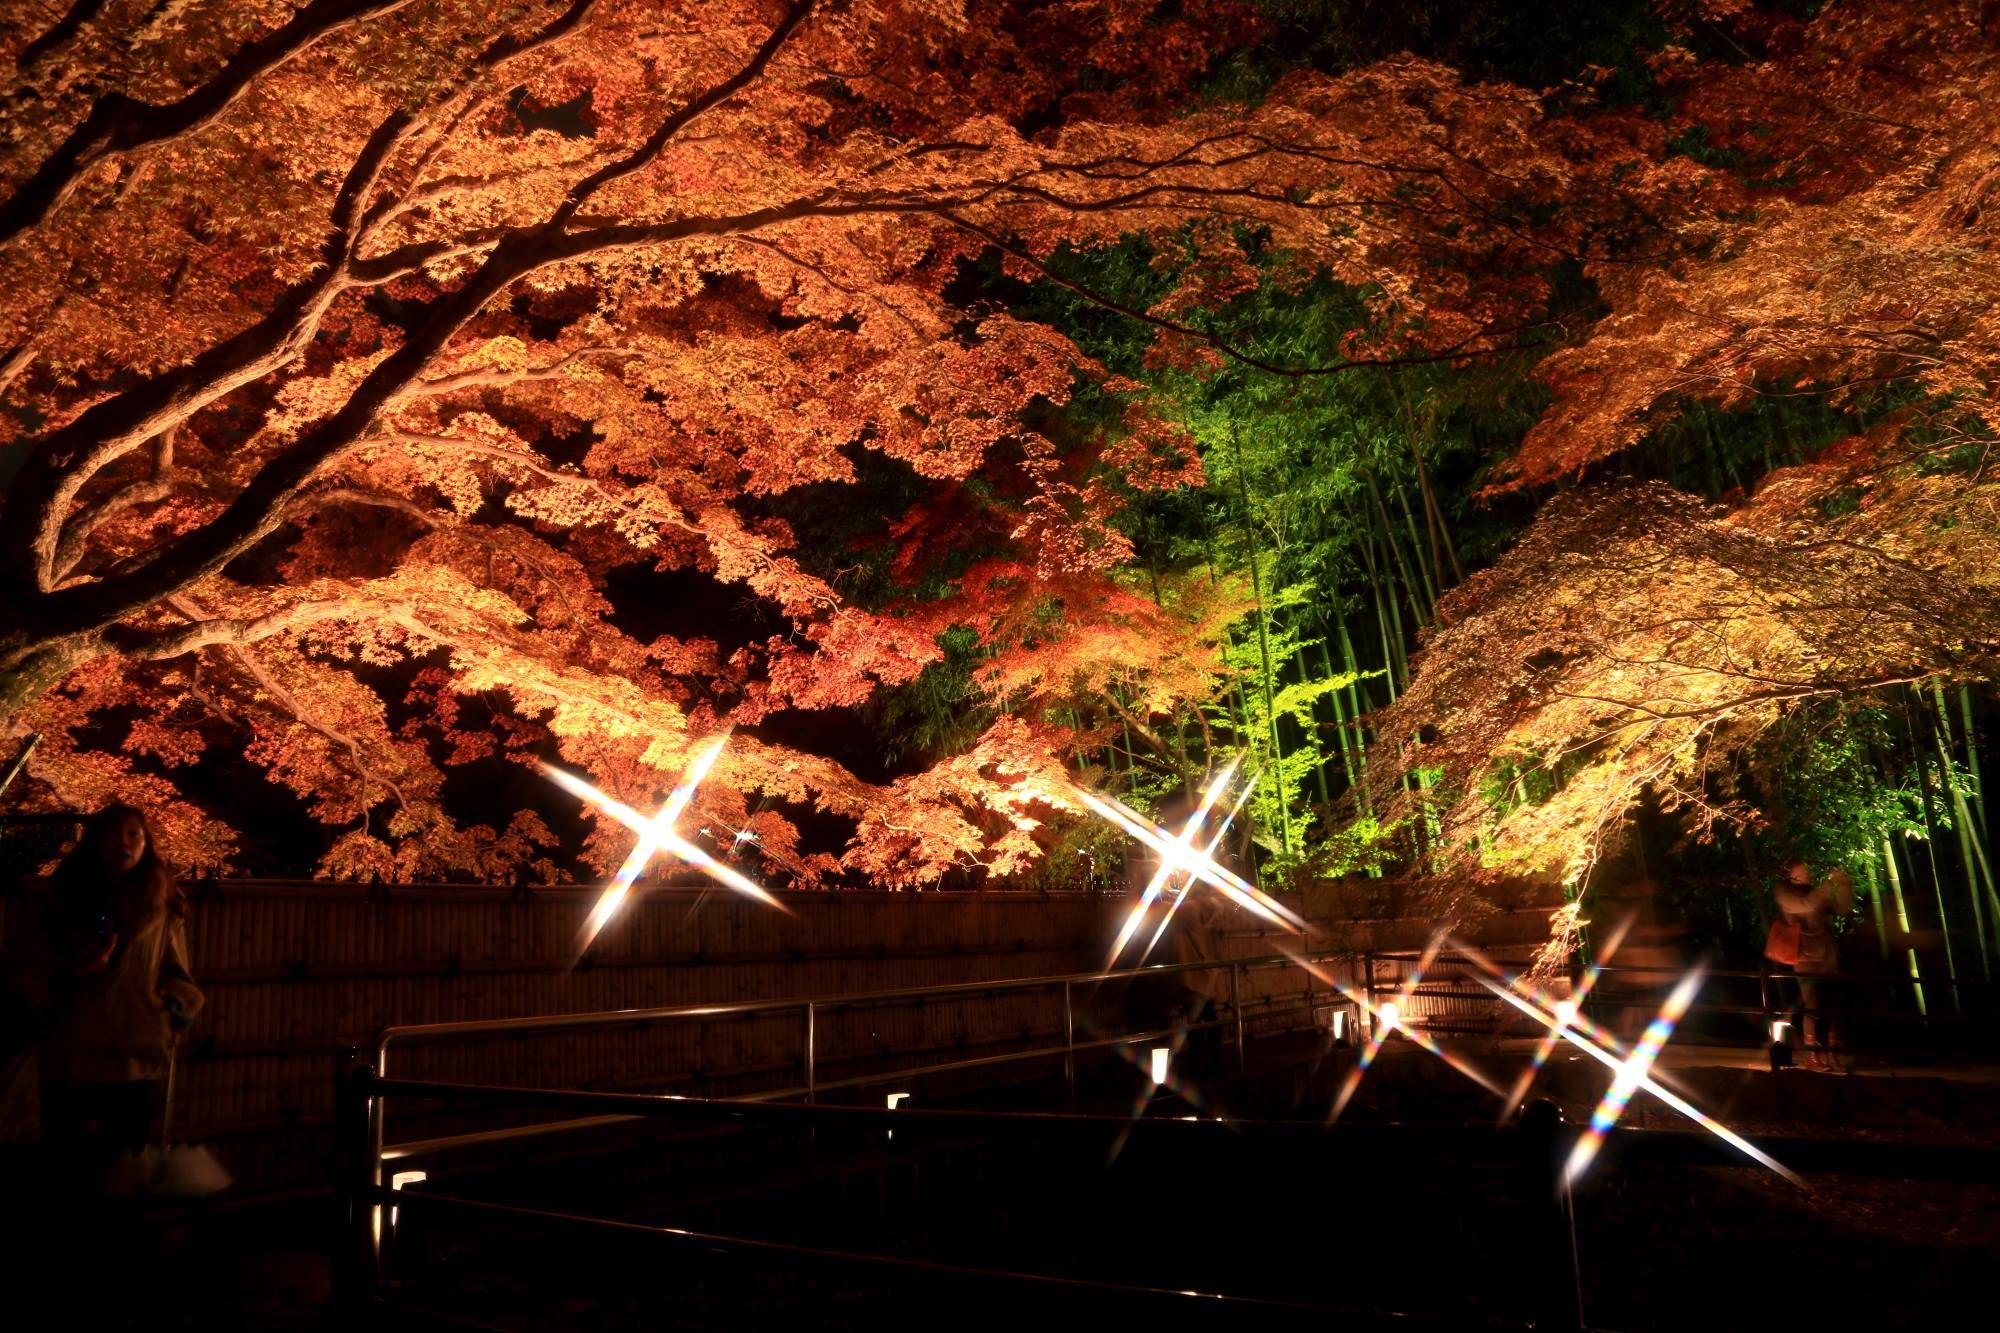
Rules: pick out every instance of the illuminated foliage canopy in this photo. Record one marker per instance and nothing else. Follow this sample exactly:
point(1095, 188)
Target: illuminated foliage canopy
point(351, 350)
point(402, 388)
point(1637, 642)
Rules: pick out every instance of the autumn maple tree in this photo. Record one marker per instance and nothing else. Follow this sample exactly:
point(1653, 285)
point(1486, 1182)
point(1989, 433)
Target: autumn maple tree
point(399, 388)
point(1639, 643)
point(352, 348)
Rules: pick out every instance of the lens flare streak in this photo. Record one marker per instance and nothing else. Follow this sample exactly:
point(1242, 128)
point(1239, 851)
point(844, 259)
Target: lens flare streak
point(1176, 851)
point(1548, 1003)
point(1389, 1015)
point(1631, 1073)
point(1186, 859)
point(1387, 1018)
point(1647, 1081)
point(1567, 1011)
point(1188, 883)
point(656, 835)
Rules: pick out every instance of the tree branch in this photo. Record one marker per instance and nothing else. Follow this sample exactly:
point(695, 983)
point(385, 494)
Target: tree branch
point(493, 379)
point(116, 123)
point(157, 485)
point(59, 33)
point(1458, 352)
point(59, 464)
point(256, 670)
point(259, 507)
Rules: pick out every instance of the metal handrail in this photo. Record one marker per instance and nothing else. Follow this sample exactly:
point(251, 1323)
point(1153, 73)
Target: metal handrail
point(1810, 1154)
point(358, 1262)
point(1538, 1142)
point(480, 1027)
point(809, 1008)
point(392, 1152)
point(1188, 1302)
point(1450, 959)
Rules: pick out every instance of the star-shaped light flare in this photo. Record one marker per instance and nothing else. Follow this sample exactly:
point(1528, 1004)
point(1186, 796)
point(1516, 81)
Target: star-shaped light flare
point(1568, 1012)
point(1631, 1073)
point(1389, 1017)
point(656, 835)
point(1179, 856)
point(1600, 1046)
point(1170, 866)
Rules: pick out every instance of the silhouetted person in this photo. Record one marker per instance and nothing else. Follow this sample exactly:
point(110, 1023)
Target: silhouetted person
point(1812, 908)
point(101, 972)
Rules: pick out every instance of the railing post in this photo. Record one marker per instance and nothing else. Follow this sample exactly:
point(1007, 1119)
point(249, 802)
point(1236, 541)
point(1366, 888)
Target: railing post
point(1368, 992)
point(1069, 1043)
point(1312, 1016)
point(812, 1066)
point(1764, 1003)
point(357, 1167)
point(1236, 1010)
point(1544, 1143)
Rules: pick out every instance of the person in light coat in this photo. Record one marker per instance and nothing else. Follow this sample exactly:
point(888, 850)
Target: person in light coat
point(102, 987)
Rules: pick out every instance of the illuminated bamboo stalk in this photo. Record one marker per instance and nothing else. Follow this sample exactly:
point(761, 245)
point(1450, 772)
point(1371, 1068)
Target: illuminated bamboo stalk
point(1352, 664)
point(1427, 568)
point(1716, 450)
point(1359, 737)
point(1253, 548)
point(1930, 845)
point(1341, 738)
point(1320, 758)
point(1390, 612)
point(1970, 857)
point(1969, 810)
point(1895, 882)
point(1875, 908)
point(1434, 521)
point(1402, 565)
point(1972, 755)
point(1389, 673)
point(1434, 516)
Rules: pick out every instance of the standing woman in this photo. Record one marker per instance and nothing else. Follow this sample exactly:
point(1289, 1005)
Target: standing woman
point(120, 993)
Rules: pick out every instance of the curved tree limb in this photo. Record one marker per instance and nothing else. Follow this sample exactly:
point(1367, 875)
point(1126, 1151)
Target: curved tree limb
point(117, 124)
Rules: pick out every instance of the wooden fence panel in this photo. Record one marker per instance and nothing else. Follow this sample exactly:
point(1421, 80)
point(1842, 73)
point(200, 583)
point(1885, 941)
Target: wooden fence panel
point(295, 973)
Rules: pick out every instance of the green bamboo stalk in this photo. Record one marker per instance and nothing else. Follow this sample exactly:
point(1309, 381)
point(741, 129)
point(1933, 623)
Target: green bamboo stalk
point(1355, 705)
point(1434, 516)
point(1875, 908)
point(1434, 523)
point(1938, 723)
point(1354, 711)
point(1263, 641)
point(1417, 616)
point(1972, 754)
point(1342, 739)
point(1319, 750)
point(1366, 548)
point(1715, 448)
point(1930, 846)
point(1428, 570)
point(1903, 921)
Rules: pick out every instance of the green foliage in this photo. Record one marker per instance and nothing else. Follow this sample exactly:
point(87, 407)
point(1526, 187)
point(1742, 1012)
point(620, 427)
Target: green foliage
point(1841, 785)
point(1278, 719)
point(941, 712)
